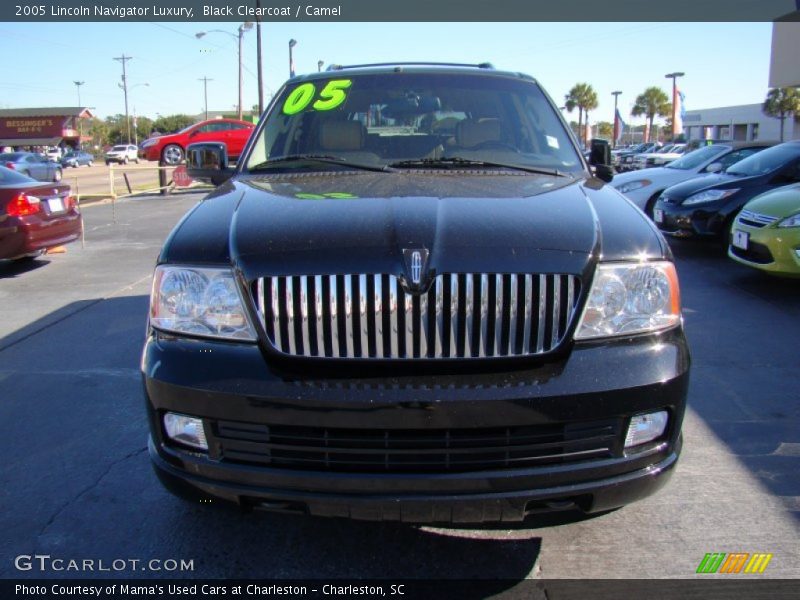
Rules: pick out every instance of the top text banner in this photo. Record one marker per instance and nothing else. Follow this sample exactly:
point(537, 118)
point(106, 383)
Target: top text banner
point(403, 11)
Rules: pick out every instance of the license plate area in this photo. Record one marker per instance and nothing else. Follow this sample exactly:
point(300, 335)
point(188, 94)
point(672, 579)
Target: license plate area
point(741, 239)
point(56, 205)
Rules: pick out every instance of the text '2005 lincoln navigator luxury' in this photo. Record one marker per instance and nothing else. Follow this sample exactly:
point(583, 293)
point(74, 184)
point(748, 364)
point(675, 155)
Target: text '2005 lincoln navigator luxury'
point(413, 299)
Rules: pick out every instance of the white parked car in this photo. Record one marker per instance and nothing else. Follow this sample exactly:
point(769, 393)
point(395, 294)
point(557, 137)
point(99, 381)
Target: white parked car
point(52, 154)
point(122, 154)
point(660, 159)
point(645, 186)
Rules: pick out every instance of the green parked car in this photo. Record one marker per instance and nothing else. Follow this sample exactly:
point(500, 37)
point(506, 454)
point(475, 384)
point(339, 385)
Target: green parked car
point(766, 233)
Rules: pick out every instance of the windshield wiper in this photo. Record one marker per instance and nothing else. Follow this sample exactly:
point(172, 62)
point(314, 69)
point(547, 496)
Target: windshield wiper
point(318, 158)
point(459, 161)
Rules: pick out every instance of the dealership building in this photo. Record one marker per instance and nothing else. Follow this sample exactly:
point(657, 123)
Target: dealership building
point(56, 126)
point(746, 122)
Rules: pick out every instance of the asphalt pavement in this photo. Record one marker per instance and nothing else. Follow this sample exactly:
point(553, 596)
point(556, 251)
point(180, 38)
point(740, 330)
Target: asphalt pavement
point(76, 482)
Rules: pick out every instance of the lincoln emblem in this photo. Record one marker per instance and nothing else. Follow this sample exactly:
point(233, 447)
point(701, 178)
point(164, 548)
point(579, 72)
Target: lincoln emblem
point(416, 266)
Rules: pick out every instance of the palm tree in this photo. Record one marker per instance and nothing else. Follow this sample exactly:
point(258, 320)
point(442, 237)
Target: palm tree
point(651, 103)
point(583, 97)
point(782, 102)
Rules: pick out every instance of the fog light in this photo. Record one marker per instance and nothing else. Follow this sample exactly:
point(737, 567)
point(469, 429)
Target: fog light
point(186, 430)
point(645, 428)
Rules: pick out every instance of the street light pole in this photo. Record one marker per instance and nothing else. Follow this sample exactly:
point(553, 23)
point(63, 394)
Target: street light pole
point(292, 44)
point(616, 120)
point(78, 85)
point(674, 76)
point(123, 59)
point(258, 60)
point(205, 81)
point(319, 65)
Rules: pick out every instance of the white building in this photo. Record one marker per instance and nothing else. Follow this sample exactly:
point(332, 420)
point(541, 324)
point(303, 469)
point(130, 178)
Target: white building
point(746, 123)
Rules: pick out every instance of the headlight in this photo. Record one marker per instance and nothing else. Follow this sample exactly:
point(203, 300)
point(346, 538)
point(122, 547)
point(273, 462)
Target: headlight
point(628, 298)
point(148, 143)
point(708, 196)
point(633, 185)
point(199, 301)
point(793, 221)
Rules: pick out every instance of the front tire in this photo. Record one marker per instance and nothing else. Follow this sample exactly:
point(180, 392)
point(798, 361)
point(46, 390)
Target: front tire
point(172, 154)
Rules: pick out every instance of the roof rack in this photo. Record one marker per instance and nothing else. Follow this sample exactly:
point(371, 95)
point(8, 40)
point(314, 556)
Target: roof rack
point(485, 65)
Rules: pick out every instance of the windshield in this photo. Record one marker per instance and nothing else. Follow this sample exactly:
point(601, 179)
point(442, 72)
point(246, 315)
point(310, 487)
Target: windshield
point(697, 157)
point(765, 161)
point(11, 156)
point(384, 119)
point(119, 148)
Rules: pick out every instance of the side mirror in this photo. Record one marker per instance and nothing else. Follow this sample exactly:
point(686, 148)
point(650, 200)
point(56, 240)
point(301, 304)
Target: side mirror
point(600, 159)
point(208, 162)
point(714, 168)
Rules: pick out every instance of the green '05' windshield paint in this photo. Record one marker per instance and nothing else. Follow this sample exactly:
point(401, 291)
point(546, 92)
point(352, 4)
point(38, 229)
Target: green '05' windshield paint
point(332, 95)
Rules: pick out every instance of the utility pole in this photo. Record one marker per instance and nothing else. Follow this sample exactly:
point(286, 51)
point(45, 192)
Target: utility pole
point(123, 59)
point(258, 60)
point(319, 65)
point(616, 120)
point(205, 81)
point(674, 76)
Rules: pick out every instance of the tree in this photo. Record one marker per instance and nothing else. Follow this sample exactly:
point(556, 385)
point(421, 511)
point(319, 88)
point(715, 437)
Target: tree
point(583, 97)
point(781, 103)
point(605, 129)
point(651, 103)
point(171, 123)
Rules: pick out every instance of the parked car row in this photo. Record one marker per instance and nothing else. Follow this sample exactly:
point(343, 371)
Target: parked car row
point(746, 195)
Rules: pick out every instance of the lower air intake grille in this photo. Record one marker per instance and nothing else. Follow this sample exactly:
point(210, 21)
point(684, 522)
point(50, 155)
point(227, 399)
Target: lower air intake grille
point(413, 450)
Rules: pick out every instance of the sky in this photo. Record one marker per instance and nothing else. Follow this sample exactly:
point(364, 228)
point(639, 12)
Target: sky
point(725, 63)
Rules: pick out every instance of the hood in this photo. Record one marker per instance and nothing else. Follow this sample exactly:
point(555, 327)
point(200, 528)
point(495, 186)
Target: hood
point(628, 177)
point(358, 222)
point(719, 181)
point(782, 202)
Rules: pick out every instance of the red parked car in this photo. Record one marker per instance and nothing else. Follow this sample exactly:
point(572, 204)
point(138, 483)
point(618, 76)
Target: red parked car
point(35, 216)
point(171, 148)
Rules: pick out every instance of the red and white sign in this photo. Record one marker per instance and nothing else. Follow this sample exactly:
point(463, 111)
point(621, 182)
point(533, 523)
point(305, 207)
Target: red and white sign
point(181, 177)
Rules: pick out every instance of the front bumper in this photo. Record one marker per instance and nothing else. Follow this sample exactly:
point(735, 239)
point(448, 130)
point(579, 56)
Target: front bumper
point(690, 221)
point(232, 382)
point(769, 249)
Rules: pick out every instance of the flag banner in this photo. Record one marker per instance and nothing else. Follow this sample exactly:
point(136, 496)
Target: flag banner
point(680, 113)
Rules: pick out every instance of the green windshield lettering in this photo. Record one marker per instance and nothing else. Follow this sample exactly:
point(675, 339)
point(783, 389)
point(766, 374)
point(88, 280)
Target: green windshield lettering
point(332, 95)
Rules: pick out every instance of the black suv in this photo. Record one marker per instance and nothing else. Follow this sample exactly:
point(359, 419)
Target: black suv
point(412, 300)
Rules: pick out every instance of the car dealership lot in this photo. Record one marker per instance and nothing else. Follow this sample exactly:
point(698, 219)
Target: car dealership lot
point(76, 481)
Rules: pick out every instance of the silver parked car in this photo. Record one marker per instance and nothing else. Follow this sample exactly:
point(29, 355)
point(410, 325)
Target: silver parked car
point(33, 165)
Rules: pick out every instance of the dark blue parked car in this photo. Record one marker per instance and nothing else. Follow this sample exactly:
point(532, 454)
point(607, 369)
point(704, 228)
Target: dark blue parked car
point(76, 159)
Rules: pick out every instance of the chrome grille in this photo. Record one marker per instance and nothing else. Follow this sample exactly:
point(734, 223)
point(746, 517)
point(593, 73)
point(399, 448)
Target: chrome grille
point(465, 315)
point(747, 217)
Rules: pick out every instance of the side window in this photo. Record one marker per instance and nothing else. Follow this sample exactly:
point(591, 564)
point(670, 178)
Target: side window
point(793, 171)
point(735, 156)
